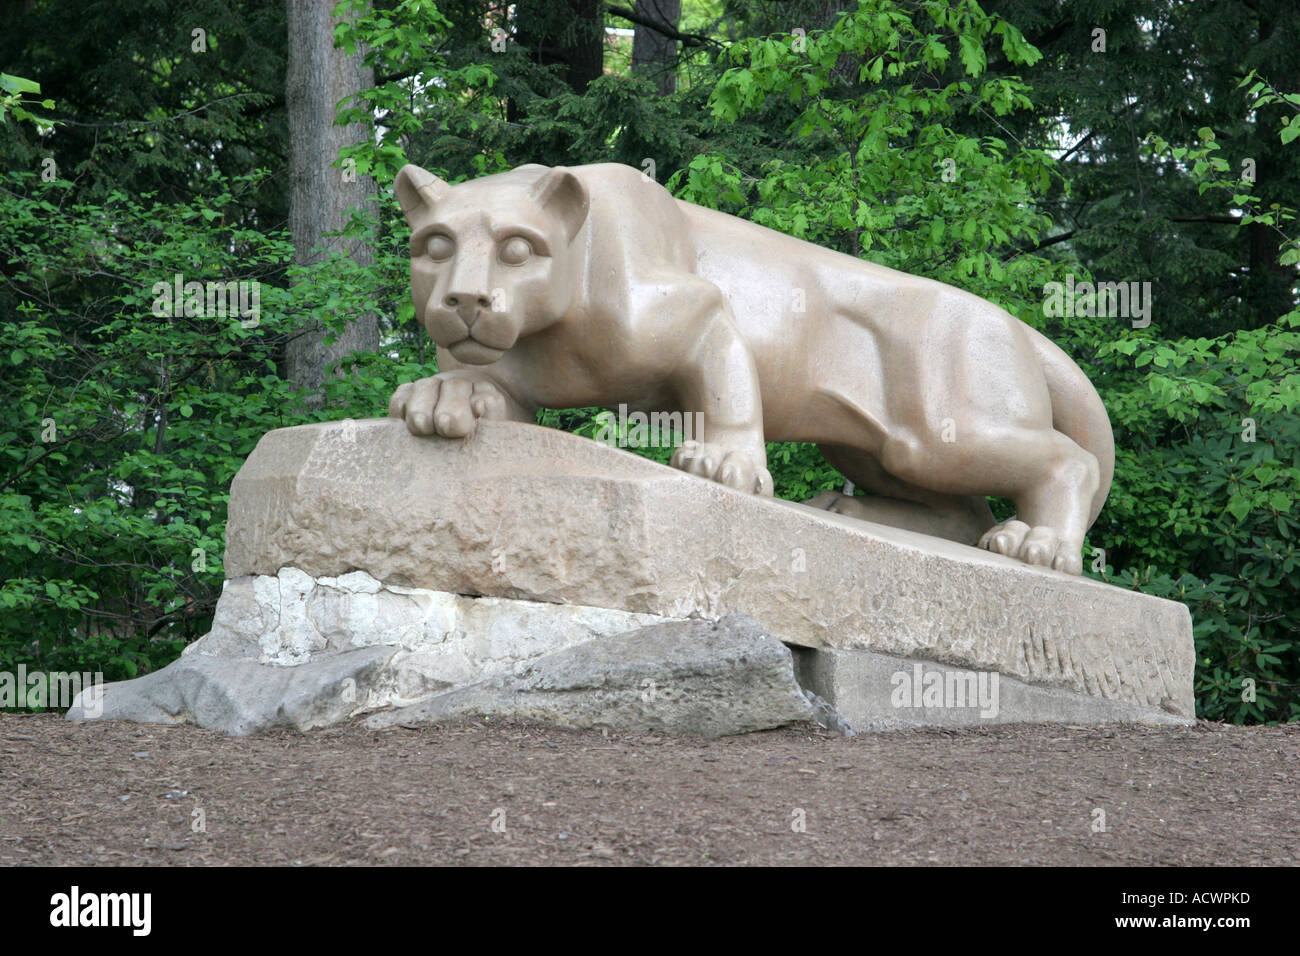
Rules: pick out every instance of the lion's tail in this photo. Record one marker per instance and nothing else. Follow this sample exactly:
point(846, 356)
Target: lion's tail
point(1077, 412)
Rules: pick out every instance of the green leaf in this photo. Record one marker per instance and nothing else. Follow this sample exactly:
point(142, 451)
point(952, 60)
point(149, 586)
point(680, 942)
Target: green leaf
point(17, 84)
point(972, 55)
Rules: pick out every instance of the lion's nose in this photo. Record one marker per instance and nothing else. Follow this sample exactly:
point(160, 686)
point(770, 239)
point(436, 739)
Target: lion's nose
point(456, 298)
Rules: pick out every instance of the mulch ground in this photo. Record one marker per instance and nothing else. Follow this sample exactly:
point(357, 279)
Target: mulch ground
point(476, 792)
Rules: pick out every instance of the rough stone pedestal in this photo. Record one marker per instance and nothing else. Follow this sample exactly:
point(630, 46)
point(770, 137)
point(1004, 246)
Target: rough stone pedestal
point(540, 519)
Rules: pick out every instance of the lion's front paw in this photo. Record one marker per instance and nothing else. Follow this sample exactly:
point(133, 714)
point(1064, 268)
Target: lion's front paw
point(741, 470)
point(447, 405)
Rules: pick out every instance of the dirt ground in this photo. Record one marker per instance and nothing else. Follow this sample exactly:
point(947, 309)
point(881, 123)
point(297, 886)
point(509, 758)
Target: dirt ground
point(103, 793)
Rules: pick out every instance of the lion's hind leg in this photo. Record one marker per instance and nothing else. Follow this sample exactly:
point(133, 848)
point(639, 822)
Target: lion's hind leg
point(893, 502)
point(1051, 480)
point(1058, 481)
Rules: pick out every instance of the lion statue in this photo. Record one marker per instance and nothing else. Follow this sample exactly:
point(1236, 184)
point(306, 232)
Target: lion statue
point(589, 286)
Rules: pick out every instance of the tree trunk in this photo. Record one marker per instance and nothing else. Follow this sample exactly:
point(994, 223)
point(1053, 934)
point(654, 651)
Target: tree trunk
point(653, 54)
point(566, 33)
point(320, 194)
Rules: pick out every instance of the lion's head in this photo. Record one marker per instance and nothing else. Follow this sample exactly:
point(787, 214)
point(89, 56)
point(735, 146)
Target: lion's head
point(490, 258)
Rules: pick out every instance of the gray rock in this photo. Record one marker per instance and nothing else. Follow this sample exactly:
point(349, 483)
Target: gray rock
point(827, 716)
point(241, 697)
point(690, 677)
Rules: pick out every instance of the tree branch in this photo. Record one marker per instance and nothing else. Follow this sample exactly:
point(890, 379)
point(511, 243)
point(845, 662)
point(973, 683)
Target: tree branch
point(1223, 220)
point(663, 29)
point(1220, 220)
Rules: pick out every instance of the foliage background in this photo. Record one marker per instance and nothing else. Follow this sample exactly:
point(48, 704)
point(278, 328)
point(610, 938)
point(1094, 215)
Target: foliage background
point(1121, 165)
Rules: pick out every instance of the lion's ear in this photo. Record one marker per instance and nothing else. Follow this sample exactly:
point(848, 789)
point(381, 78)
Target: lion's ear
point(560, 193)
point(418, 190)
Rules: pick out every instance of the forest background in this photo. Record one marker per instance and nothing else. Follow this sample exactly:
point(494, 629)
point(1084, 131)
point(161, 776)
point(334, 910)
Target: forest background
point(999, 147)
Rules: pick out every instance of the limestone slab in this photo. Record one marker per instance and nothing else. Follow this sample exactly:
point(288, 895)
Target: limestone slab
point(873, 692)
point(292, 618)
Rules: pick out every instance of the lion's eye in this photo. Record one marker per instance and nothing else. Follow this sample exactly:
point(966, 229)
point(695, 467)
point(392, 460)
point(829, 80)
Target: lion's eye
point(515, 250)
point(440, 247)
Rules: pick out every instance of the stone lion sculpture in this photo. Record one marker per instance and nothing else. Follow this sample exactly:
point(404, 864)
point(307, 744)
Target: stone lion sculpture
point(565, 288)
